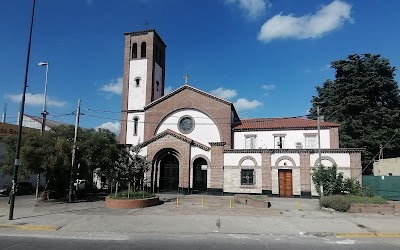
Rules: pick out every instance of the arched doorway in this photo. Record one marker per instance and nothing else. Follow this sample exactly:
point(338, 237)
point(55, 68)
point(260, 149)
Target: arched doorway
point(169, 173)
point(199, 175)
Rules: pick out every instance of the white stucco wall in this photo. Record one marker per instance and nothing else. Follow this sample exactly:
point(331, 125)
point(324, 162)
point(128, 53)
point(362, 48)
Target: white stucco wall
point(265, 139)
point(130, 137)
point(294, 157)
point(137, 95)
point(205, 130)
point(341, 159)
point(234, 159)
point(199, 151)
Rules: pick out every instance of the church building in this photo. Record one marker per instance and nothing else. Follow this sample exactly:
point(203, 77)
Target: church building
point(197, 143)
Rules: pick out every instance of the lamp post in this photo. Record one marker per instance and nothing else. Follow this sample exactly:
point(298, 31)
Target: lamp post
point(44, 113)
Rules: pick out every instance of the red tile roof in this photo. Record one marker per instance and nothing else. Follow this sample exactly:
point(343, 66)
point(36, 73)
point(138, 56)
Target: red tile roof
point(281, 123)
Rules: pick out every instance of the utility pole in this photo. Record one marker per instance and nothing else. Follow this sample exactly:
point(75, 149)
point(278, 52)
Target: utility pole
point(319, 137)
point(71, 179)
point(17, 161)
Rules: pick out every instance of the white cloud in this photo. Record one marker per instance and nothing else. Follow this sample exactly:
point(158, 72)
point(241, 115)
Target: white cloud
point(244, 104)
point(114, 87)
point(168, 90)
point(36, 100)
point(252, 8)
point(328, 18)
point(112, 126)
point(268, 87)
point(224, 93)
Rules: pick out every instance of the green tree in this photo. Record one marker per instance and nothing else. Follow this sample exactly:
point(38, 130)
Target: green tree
point(364, 99)
point(51, 153)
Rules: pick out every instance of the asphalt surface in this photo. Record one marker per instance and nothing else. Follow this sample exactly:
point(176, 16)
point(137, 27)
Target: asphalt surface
point(230, 241)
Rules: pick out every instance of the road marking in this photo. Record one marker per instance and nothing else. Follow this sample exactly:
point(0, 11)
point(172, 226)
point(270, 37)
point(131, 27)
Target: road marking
point(368, 235)
point(30, 227)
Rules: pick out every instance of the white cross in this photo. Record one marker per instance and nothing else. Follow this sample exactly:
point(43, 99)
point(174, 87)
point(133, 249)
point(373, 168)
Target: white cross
point(186, 78)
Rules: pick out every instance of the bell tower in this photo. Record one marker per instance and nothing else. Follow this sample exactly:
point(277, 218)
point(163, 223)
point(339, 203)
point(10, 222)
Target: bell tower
point(143, 81)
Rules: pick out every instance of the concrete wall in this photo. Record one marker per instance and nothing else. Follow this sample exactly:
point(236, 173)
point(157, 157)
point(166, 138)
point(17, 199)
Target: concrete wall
point(385, 167)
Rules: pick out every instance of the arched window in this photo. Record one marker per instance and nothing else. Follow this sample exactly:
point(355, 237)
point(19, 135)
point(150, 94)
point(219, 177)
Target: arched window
point(143, 49)
point(158, 85)
point(137, 81)
point(134, 50)
point(135, 125)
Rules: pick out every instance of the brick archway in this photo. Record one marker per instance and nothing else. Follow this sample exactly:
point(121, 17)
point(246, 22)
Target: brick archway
point(165, 170)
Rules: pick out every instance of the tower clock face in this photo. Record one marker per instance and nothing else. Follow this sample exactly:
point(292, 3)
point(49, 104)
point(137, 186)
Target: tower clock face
point(186, 124)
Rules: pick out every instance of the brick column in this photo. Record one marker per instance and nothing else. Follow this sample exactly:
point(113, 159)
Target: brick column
point(356, 166)
point(334, 137)
point(305, 174)
point(217, 168)
point(266, 173)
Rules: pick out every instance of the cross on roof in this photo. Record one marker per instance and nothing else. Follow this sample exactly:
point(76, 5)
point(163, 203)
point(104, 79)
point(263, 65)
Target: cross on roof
point(186, 78)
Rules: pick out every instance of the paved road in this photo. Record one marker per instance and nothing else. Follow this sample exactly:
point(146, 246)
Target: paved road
point(286, 217)
point(230, 241)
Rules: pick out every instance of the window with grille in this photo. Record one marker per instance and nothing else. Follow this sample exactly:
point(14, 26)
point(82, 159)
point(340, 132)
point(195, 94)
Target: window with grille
point(247, 177)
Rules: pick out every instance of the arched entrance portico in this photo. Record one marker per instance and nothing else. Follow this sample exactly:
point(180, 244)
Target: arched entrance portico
point(169, 173)
point(165, 171)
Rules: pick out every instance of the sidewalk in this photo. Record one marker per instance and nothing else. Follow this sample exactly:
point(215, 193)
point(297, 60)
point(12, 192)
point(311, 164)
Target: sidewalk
point(190, 217)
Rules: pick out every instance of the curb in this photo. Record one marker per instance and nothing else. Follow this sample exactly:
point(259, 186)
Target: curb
point(30, 227)
point(368, 235)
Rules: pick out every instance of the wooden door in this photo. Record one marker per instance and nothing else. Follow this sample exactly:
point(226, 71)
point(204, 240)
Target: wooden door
point(285, 183)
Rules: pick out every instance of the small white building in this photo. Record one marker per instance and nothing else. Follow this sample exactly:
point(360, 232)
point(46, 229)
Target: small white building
point(387, 167)
point(196, 142)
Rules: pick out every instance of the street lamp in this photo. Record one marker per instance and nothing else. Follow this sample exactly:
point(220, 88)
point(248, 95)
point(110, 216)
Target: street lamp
point(44, 113)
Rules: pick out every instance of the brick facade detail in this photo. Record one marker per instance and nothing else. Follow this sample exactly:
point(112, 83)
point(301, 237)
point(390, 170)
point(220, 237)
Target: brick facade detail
point(180, 149)
point(187, 98)
point(266, 171)
point(305, 172)
point(217, 166)
point(334, 137)
point(355, 166)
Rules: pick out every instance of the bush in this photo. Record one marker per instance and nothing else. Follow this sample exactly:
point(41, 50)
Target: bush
point(334, 183)
point(337, 202)
point(342, 203)
point(132, 195)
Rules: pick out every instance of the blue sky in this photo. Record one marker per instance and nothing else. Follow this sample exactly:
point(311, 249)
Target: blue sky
point(266, 56)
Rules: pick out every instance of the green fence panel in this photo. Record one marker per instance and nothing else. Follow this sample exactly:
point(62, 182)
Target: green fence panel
point(387, 187)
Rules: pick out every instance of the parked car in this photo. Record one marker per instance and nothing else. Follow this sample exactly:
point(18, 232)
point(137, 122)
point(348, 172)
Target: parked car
point(80, 184)
point(23, 187)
